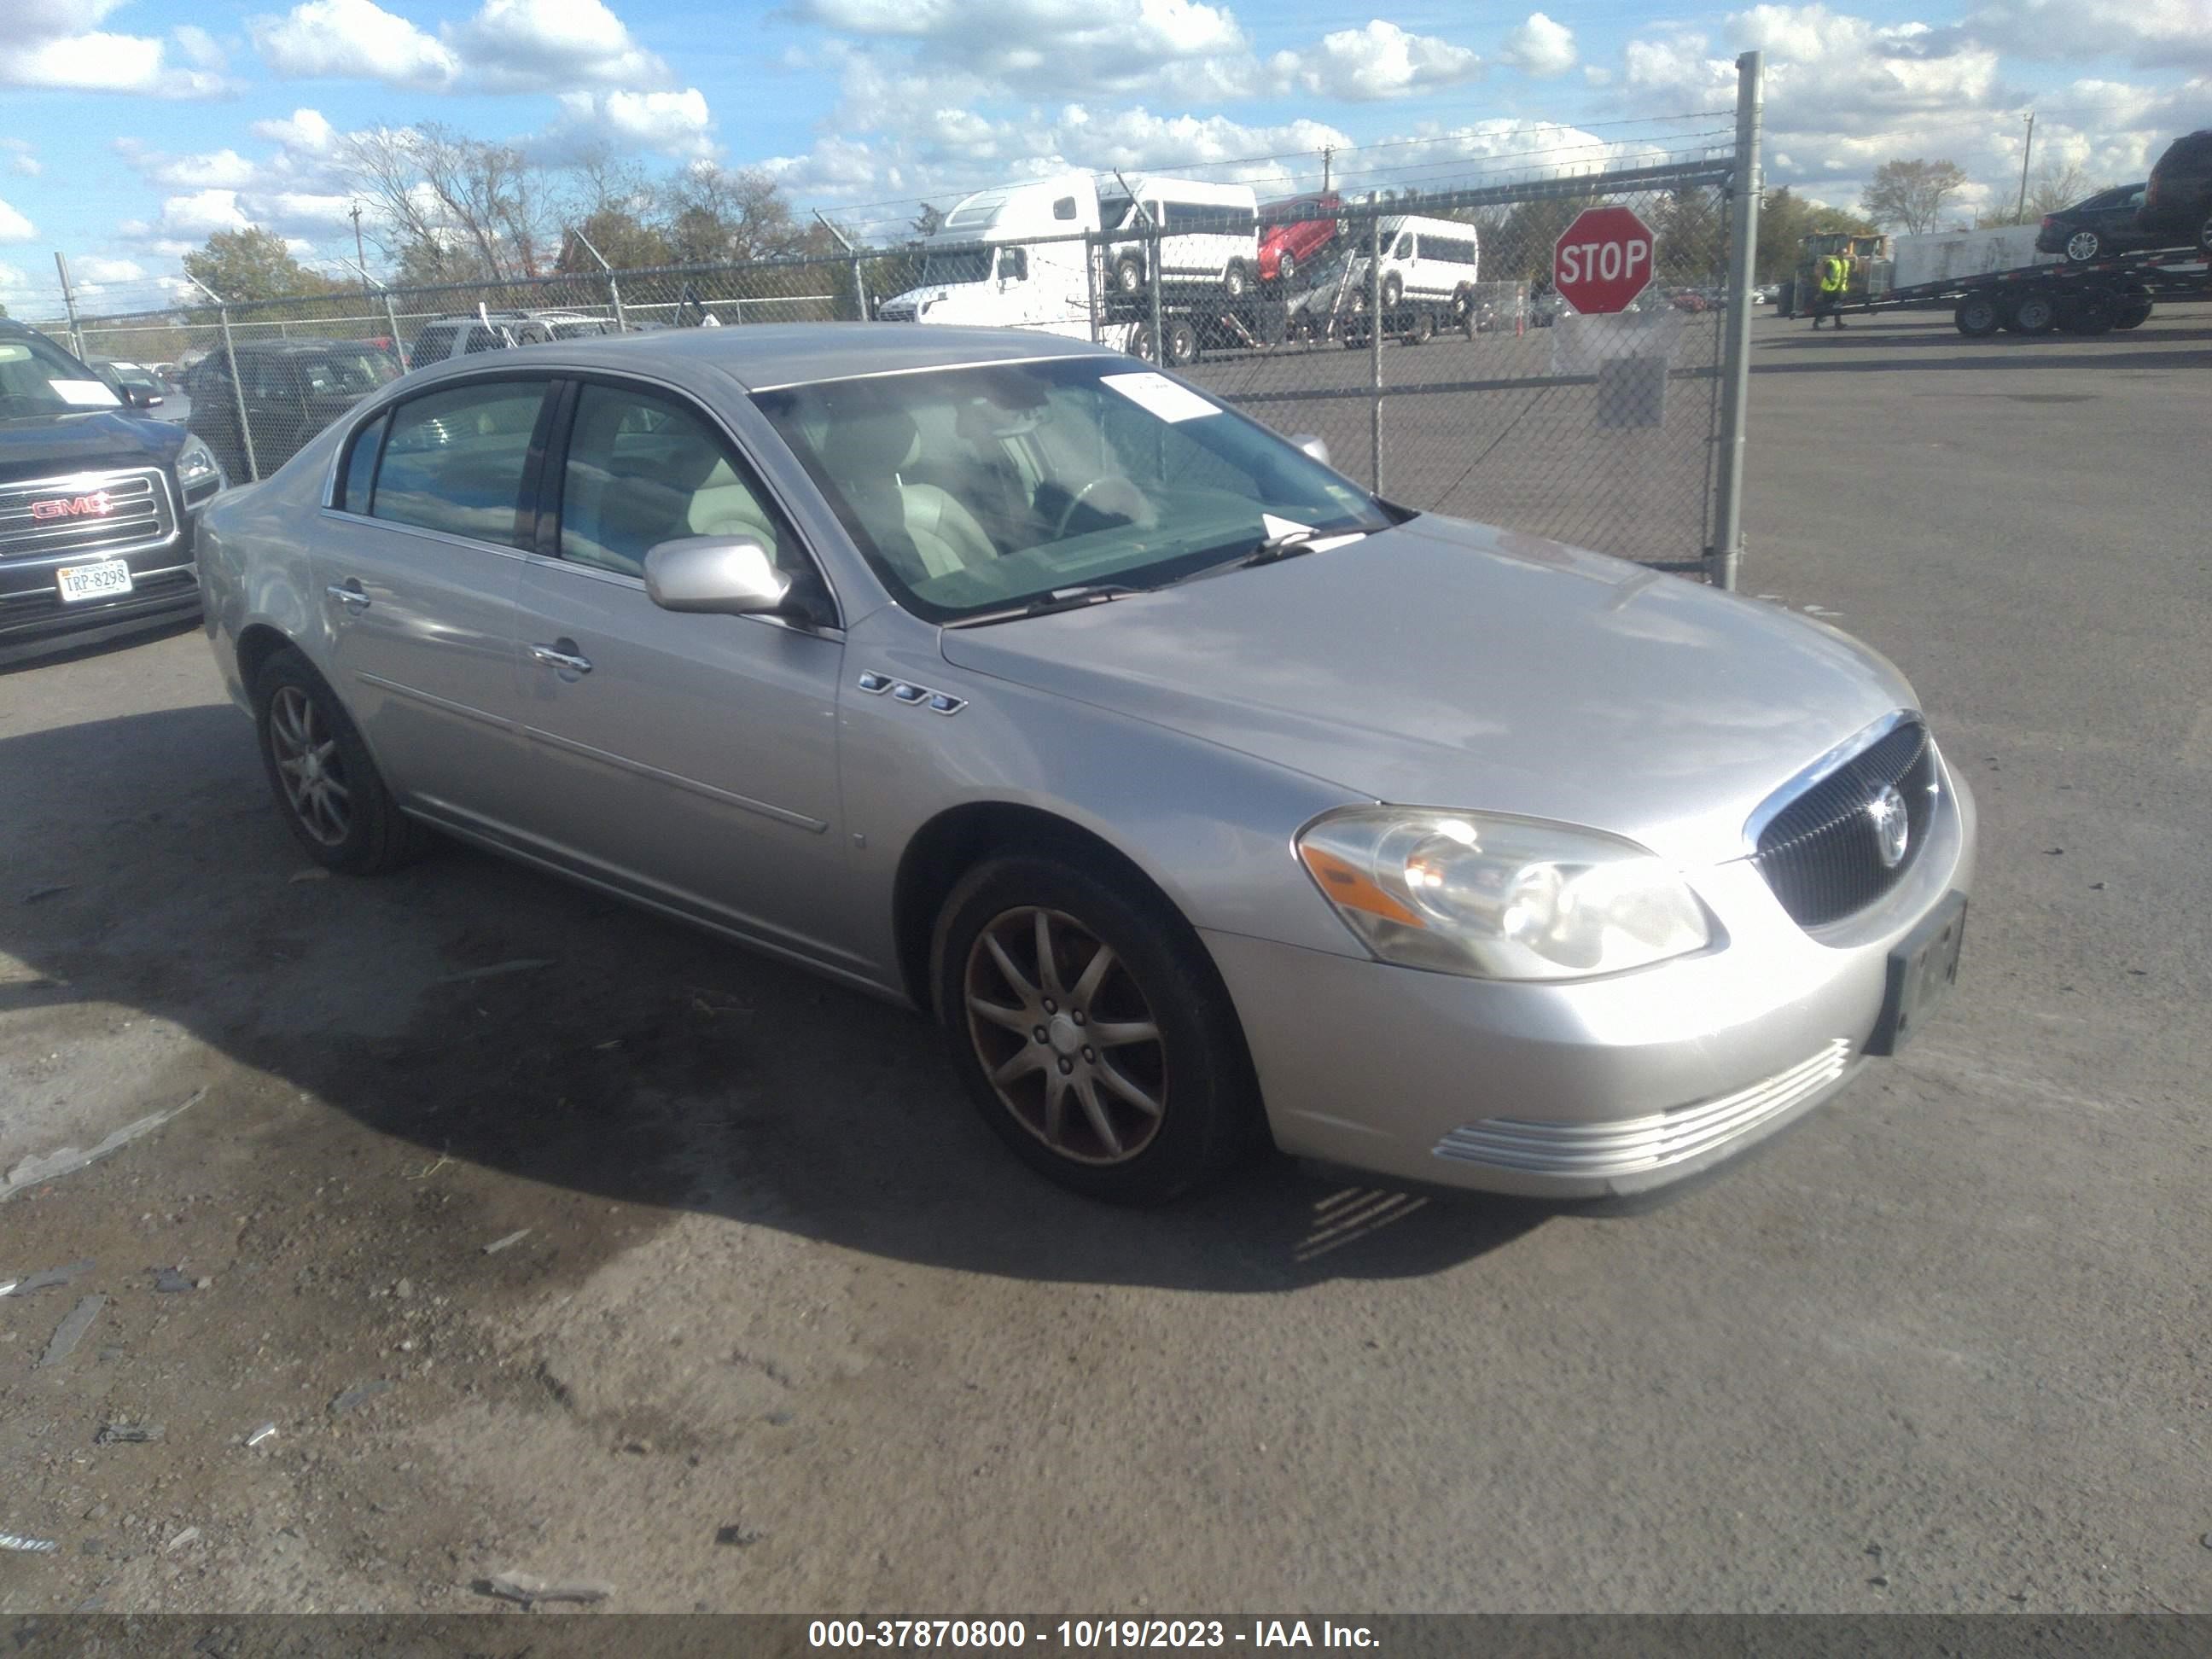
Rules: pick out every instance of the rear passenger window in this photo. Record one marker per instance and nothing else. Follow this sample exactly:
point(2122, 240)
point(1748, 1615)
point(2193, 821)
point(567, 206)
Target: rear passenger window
point(455, 460)
point(481, 339)
point(361, 467)
point(642, 470)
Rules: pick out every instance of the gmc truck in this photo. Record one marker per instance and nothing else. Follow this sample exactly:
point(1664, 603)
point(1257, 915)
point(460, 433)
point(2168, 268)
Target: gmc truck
point(98, 505)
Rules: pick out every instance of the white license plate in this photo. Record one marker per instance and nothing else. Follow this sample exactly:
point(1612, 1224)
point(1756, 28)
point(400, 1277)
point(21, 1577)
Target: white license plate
point(103, 580)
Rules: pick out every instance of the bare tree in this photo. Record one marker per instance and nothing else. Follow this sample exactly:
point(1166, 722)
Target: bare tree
point(1912, 194)
point(450, 207)
point(716, 215)
point(2058, 186)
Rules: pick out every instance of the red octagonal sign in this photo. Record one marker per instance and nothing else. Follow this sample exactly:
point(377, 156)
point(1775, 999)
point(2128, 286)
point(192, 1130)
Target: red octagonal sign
point(1603, 261)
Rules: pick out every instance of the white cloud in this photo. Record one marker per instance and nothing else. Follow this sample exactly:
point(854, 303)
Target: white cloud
point(355, 39)
point(201, 214)
point(109, 271)
point(22, 156)
point(1540, 47)
point(304, 129)
point(221, 169)
point(199, 48)
point(513, 45)
point(2150, 33)
point(676, 124)
point(1379, 61)
point(14, 226)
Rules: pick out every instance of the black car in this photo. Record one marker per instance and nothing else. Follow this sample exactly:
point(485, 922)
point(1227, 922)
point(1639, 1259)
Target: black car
point(292, 389)
point(99, 504)
point(2097, 226)
point(2177, 205)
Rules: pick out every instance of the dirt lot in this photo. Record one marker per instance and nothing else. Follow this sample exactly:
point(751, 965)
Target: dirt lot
point(784, 1328)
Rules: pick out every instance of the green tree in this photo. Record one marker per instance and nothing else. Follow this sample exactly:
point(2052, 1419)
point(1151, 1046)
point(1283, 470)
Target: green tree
point(1910, 195)
point(623, 239)
point(253, 263)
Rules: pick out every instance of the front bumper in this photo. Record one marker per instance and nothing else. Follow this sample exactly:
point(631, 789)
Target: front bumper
point(1596, 1089)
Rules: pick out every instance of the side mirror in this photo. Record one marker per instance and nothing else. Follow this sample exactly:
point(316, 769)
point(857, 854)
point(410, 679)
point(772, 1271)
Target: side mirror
point(1315, 448)
point(730, 576)
point(142, 398)
point(1014, 264)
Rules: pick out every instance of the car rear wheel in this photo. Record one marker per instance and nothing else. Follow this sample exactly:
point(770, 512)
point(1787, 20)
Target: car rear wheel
point(1089, 1027)
point(1128, 275)
point(1977, 316)
point(2083, 245)
point(332, 797)
point(1286, 270)
point(1183, 342)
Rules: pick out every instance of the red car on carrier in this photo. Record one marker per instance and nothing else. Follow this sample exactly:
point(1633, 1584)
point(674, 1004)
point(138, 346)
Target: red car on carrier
point(1293, 233)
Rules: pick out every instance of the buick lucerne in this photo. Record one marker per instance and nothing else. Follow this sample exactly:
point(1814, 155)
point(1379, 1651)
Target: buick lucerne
point(1202, 798)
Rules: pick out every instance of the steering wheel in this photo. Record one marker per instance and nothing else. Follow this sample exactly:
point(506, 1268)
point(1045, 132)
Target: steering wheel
point(1139, 510)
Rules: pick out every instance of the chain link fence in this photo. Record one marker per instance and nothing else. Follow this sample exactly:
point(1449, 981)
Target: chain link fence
point(1420, 338)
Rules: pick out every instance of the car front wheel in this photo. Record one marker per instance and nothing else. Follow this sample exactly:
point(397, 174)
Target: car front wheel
point(1089, 1027)
point(333, 799)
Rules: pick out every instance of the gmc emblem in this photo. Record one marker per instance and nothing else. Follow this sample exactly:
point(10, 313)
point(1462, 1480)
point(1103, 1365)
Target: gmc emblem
point(72, 506)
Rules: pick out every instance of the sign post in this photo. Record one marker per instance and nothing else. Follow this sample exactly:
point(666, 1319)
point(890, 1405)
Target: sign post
point(1603, 261)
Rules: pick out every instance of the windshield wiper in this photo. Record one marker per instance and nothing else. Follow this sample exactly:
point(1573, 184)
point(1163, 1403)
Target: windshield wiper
point(1272, 549)
point(1060, 599)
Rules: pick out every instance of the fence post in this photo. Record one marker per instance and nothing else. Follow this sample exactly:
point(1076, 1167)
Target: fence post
point(1375, 347)
point(1727, 551)
point(1159, 331)
point(391, 322)
point(69, 303)
point(237, 386)
point(1094, 254)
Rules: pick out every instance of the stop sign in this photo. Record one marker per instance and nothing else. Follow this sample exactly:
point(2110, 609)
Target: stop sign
point(1603, 261)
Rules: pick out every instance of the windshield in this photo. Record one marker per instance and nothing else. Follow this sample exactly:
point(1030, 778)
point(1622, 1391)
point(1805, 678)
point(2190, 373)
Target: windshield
point(970, 489)
point(37, 379)
point(966, 265)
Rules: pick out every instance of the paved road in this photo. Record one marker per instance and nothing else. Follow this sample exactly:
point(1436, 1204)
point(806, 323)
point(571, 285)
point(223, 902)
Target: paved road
point(1942, 1347)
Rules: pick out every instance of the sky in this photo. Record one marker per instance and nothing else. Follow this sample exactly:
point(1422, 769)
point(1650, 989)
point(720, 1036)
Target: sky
point(130, 130)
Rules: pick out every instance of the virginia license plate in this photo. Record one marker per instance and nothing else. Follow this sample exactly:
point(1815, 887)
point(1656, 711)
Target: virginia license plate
point(103, 580)
point(1922, 972)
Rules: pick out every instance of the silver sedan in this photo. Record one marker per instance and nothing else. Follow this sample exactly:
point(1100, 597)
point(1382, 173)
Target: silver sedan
point(1202, 798)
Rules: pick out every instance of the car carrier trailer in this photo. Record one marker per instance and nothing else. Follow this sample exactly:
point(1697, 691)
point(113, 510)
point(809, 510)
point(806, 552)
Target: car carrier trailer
point(2091, 298)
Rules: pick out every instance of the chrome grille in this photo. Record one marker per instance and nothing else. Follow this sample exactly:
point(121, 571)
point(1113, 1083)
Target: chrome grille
point(133, 510)
point(1819, 849)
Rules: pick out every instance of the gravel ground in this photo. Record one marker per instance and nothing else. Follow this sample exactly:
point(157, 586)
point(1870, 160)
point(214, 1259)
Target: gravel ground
point(775, 1324)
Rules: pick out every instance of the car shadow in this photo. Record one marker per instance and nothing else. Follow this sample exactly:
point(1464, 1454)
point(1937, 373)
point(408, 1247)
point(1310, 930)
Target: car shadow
point(47, 653)
point(1871, 348)
point(607, 1052)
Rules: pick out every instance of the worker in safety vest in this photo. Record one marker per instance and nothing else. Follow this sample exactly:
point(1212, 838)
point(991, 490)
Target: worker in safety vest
point(1835, 274)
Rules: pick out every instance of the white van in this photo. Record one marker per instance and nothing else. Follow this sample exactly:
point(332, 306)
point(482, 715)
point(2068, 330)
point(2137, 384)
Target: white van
point(1212, 234)
point(1428, 261)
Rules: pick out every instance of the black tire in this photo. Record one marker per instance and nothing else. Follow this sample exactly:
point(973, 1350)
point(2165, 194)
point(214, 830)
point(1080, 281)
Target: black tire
point(1183, 342)
point(1128, 275)
point(1393, 289)
point(2035, 313)
point(1286, 270)
point(2136, 308)
point(2092, 313)
point(2084, 246)
point(2204, 236)
point(1979, 316)
point(1194, 1068)
point(372, 835)
point(1140, 343)
point(1234, 281)
point(1462, 301)
point(1420, 328)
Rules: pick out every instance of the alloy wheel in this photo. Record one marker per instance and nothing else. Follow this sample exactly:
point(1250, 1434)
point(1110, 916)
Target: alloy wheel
point(305, 752)
point(2081, 245)
point(1067, 1036)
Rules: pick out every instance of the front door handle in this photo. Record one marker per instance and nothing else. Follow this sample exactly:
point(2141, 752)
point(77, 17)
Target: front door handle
point(567, 661)
point(348, 594)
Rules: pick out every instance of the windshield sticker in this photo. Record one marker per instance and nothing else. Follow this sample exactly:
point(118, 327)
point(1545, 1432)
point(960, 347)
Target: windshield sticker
point(1154, 391)
point(85, 394)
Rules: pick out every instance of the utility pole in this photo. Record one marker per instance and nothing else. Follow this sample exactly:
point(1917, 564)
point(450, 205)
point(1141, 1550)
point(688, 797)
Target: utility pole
point(2027, 150)
point(69, 303)
point(1328, 154)
point(360, 258)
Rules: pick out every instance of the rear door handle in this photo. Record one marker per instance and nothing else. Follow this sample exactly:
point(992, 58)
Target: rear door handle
point(348, 594)
point(567, 661)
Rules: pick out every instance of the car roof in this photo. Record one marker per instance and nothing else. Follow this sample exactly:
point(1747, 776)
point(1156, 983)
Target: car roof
point(298, 345)
point(762, 356)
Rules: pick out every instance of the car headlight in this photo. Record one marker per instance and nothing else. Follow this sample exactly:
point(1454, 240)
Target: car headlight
point(196, 464)
point(1497, 897)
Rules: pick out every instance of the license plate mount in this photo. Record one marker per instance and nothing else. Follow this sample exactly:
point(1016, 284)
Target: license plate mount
point(1922, 971)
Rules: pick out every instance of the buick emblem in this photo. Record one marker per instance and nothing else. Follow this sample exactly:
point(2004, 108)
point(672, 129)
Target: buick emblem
point(1891, 828)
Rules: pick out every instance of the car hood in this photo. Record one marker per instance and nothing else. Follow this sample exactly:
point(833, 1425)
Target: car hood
point(38, 446)
point(1447, 663)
